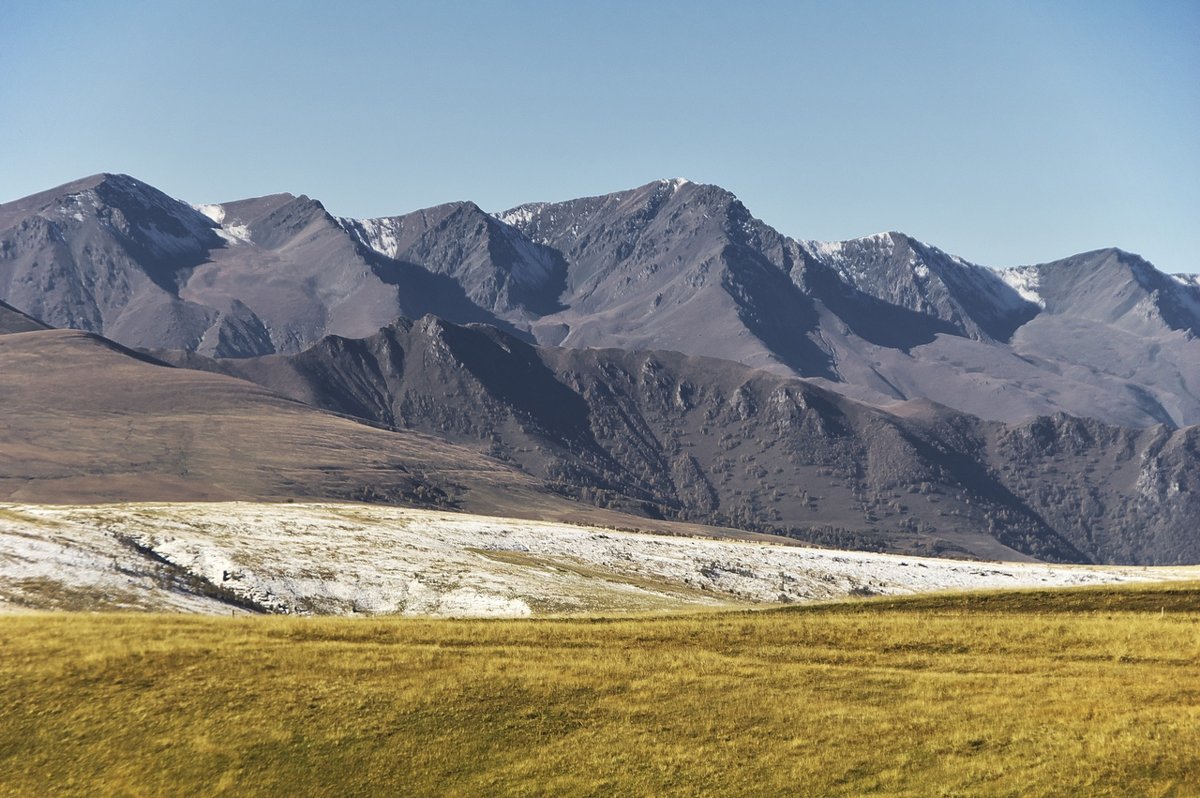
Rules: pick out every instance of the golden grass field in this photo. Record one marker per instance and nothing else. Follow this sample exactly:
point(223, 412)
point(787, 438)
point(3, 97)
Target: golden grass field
point(1084, 692)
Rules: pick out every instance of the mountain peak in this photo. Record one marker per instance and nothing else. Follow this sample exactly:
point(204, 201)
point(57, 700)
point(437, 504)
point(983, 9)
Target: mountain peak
point(675, 182)
point(1117, 288)
point(105, 182)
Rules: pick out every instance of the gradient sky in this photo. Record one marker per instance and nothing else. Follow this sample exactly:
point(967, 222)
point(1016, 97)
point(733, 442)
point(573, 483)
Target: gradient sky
point(1004, 132)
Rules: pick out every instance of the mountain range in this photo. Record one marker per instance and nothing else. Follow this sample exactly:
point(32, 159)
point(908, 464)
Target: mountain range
point(657, 352)
point(672, 265)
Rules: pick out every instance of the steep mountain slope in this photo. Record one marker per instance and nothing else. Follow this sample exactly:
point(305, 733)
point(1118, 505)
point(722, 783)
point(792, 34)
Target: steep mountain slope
point(975, 301)
point(671, 265)
point(716, 442)
point(1114, 288)
point(111, 255)
point(1109, 315)
point(105, 253)
point(291, 273)
point(883, 318)
point(631, 296)
point(499, 269)
point(680, 266)
point(1129, 495)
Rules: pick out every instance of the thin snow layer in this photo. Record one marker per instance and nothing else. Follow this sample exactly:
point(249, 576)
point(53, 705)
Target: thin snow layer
point(45, 564)
point(351, 559)
point(75, 206)
point(234, 233)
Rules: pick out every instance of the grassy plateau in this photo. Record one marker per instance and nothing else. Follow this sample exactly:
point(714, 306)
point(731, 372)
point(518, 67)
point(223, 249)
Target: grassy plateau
point(1090, 692)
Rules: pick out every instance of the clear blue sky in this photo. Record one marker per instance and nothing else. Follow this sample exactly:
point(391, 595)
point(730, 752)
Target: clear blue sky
point(1005, 132)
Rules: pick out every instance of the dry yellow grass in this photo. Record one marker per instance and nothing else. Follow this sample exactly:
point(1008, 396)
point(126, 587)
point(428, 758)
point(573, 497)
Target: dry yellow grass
point(1088, 692)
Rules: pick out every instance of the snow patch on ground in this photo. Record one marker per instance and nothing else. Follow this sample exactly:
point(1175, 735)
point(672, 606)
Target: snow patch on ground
point(360, 559)
point(45, 564)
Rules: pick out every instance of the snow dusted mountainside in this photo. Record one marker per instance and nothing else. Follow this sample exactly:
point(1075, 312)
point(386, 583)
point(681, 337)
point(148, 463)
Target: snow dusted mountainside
point(977, 302)
point(671, 265)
